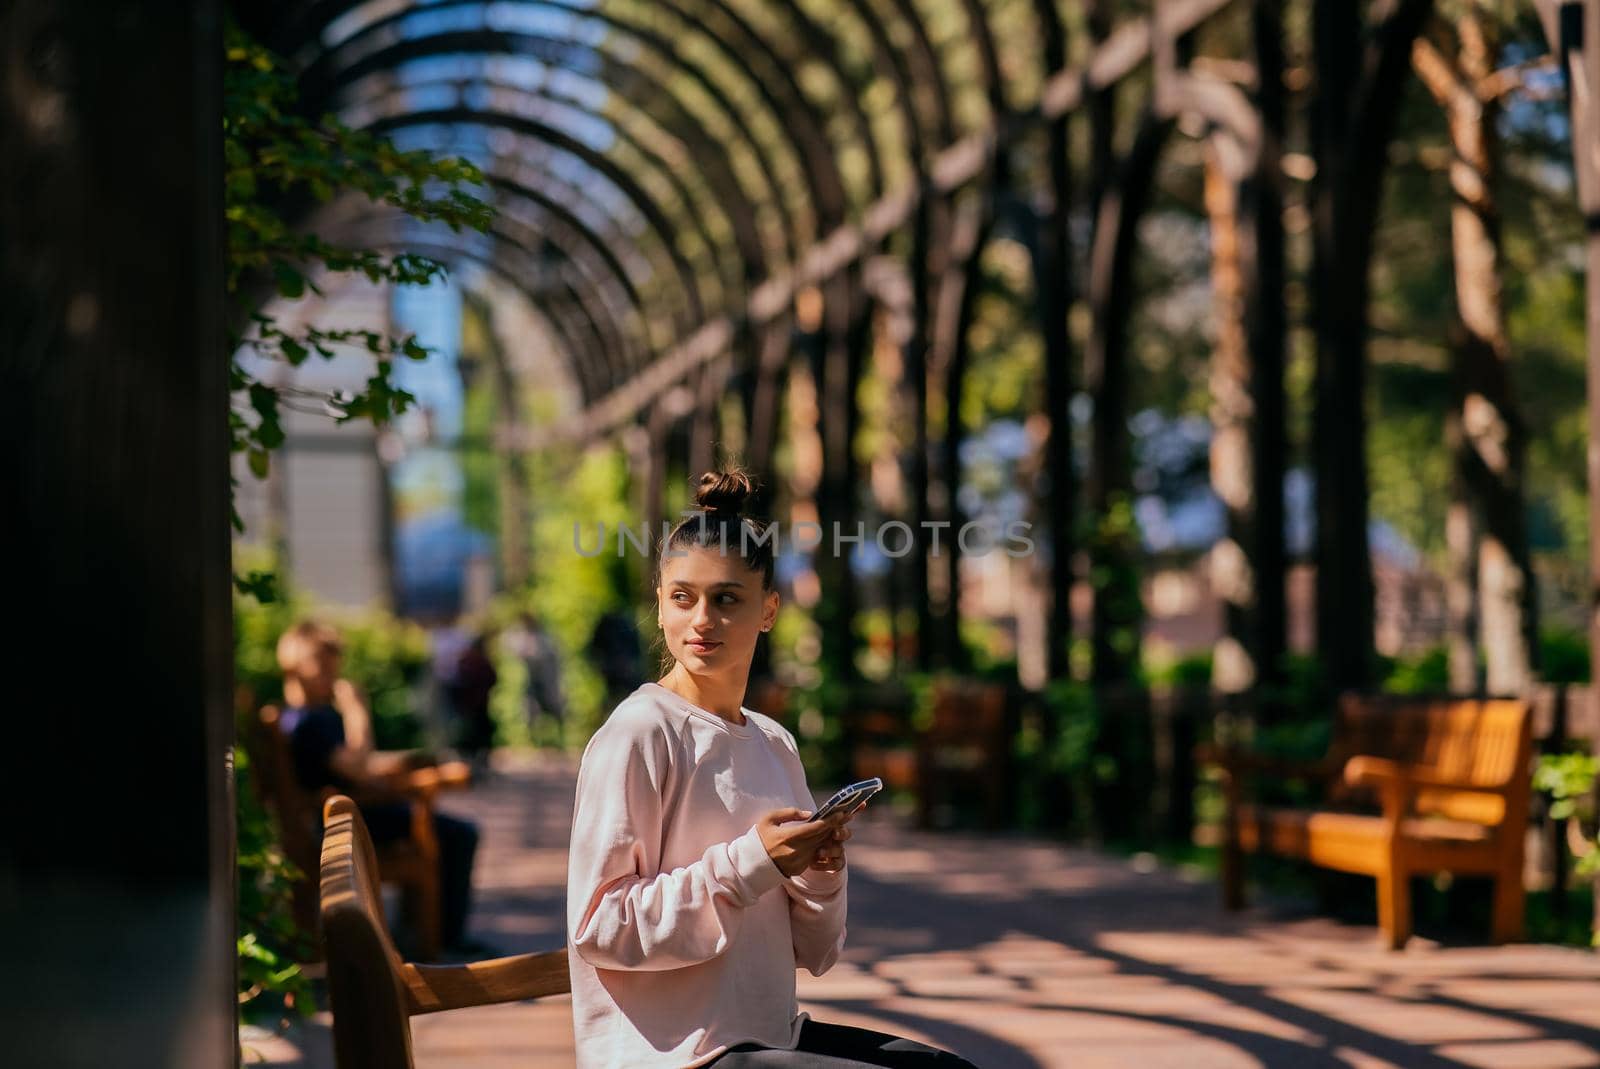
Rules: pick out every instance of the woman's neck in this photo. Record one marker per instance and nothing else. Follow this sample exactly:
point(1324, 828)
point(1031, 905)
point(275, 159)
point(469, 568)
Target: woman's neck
point(720, 696)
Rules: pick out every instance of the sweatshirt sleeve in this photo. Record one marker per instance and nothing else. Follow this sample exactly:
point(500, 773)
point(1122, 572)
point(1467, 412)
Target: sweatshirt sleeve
point(622, 911)
point(817, 907)
point(818, 901)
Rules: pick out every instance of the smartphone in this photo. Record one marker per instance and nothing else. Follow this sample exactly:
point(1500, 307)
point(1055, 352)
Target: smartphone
point(849, 797)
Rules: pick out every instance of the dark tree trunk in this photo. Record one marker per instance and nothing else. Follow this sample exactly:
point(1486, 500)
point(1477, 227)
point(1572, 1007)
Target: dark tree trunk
point(1261, 229)
point(1118, 608)
point(119, 899)
point(1352, 122)
point(1053, 290)
point(957, 294)
point(916, 374)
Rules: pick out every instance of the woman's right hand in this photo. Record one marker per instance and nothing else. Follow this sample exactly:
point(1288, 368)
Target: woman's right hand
point(792, 838)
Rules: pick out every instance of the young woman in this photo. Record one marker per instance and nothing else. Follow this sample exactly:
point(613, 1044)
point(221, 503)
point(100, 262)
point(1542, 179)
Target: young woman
point(697, 884)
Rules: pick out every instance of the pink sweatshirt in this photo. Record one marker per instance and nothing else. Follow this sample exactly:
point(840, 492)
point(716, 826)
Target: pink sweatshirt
point(684, 935)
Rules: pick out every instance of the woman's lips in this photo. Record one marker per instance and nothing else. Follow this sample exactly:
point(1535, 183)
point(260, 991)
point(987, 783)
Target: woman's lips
point(702, 646)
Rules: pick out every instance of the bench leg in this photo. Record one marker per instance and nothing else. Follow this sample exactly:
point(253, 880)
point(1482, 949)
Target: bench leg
point(1232, 872)
point(1394, 907)
point(421, 900)
point(1506, 925)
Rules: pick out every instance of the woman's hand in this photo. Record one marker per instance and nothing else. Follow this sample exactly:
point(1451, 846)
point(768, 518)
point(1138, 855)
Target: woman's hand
point(830, 855)
point(792, 839)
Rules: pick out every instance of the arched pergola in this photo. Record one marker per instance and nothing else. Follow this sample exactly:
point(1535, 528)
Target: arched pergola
point(673, 176)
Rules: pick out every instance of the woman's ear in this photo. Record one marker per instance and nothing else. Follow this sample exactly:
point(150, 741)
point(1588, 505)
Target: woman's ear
point(769, 613)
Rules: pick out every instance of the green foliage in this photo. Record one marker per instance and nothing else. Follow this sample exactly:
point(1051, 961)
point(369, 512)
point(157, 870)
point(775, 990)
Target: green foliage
point(1114, 575)
point(1571, 780)
point(1192, 670)
point(1564, 656)
point(275, 161)
point(570, 591)
point(1427, 672)
point(1060, 756)
point(270, 945)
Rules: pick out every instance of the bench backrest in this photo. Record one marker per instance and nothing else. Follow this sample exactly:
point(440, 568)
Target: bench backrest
point(294, 806)
point(967, 711)
point(365, 988)
point(1482, 742)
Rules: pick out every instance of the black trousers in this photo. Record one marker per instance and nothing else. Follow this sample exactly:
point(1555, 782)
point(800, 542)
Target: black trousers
point(837, 1046)
point(458, 845)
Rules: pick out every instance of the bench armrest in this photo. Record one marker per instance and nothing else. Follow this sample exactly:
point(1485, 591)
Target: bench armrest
point(432, 988)
point(423, 783)
point(1363, 771)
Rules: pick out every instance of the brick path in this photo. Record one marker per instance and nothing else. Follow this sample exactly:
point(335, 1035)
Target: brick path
point(1021, 954)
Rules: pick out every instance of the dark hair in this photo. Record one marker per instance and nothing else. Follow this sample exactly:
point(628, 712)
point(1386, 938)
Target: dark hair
point(722, 525)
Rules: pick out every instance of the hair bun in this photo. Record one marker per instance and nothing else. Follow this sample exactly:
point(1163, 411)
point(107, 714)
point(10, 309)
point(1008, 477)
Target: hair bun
point(724, 491)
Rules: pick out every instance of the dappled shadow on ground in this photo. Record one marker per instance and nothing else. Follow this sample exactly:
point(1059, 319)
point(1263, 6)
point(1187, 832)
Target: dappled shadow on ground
point(1021, 954)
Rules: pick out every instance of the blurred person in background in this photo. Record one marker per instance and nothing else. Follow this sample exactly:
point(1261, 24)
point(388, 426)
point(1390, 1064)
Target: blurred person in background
point(533, 646)
point(330, 743)
point(468, 691)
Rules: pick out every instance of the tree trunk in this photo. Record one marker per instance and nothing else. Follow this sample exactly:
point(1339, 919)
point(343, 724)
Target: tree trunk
point(1352, 122)
point(957, 293)
point(1261, 230)
point(1118, 608)
point(1232, 471)
point(1493, 439)
point(1052, 279)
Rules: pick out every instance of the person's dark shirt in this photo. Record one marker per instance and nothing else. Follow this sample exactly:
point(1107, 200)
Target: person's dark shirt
point(315, 733)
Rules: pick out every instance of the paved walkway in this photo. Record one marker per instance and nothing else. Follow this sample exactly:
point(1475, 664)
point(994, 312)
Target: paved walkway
point(1021, 954)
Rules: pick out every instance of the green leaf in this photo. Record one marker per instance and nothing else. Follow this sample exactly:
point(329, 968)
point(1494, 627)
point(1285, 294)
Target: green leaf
point(291, 283)
point(260, 460)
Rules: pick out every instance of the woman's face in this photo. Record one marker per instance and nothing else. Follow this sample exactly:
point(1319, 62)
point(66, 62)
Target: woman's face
point(712, 609)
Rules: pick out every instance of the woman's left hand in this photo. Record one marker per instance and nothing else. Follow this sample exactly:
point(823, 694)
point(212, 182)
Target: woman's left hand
point(830, 855)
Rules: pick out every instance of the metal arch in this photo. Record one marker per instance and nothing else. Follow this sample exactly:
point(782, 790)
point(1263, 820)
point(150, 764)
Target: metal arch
point(668, 55)
point(561, 140)
point(988, 58)
point(715, 249)
point(738, 119)
point(822, 46)
point(668, 52)
point(516, 174)
point(949, 170)
point(505, 171)
point(604, 325)
point(605, 331)
point(812, 146)
point(437, 45)
point(594, 241)
point(559, 315)
point(514, 168)
point(537, 129)
point(926, 56)
point(572, 355)
point(634, 342)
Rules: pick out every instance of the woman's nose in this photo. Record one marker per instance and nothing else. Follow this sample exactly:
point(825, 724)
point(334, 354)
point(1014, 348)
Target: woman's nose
point(702, 614)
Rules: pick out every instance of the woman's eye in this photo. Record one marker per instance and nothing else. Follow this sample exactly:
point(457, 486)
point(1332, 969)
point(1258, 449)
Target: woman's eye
point(729, 599)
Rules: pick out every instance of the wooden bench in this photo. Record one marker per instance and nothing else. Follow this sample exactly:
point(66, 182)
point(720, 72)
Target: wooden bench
point(373, 993)
point(967, 749)
point(1414, 787)
point(411, 864)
